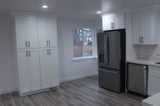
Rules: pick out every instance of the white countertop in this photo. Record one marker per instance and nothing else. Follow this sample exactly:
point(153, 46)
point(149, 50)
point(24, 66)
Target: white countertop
point(152, 101)
point(144, 62)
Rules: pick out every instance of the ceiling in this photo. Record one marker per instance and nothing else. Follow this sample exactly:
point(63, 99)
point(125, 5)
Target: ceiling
point(74, 7)
point(114, 5)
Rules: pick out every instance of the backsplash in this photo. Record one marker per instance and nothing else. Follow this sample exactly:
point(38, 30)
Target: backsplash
point(147, 52)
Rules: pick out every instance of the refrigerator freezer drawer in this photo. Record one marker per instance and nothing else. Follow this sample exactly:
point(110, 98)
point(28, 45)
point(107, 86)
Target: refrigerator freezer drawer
point(109, 79)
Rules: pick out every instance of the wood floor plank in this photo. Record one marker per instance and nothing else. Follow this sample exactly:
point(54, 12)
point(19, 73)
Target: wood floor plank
point(81, 92)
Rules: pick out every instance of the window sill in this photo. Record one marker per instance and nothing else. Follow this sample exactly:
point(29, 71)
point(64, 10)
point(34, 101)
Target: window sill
point(84, 58)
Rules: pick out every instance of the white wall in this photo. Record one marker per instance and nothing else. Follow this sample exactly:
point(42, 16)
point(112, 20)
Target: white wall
point(73, 69)
point(69, 69)
point(7, 72)
point(147, 52)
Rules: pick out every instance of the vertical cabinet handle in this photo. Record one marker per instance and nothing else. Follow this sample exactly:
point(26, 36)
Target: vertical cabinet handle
point(145, 67)
point(49, 52)
point(27, 44)
point(28, 53)
point(48, 43)
point(141, 39)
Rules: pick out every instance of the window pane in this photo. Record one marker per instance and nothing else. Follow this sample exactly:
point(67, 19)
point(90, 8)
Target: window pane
point(83, 42)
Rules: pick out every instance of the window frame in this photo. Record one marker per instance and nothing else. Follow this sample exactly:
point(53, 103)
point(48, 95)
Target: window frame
point(94, 45)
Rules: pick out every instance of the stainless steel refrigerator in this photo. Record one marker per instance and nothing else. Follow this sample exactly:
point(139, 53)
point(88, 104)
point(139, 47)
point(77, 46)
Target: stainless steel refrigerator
point(111, 59)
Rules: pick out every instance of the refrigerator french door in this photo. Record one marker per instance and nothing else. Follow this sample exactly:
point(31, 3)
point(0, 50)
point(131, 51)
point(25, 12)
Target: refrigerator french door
point(111, 56)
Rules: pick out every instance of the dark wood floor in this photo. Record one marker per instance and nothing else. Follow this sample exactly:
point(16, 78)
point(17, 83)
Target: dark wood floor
point(82, 92)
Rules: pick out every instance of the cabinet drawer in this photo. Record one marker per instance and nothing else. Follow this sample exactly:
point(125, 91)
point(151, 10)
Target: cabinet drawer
point(109, 79)
point(154, 71)
point(154, 80)
point(154, 85)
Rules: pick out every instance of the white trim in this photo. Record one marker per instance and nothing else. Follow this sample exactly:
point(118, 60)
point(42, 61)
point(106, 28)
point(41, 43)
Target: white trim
point(71, 78)
point(84, 58)
point(6, 91)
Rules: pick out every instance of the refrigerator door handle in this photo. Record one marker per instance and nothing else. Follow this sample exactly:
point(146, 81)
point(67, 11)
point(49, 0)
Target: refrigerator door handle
point(108, 50)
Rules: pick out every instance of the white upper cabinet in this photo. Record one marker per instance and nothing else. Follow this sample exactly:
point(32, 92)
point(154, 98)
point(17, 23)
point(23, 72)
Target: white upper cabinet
point(113, 21)
point(26, 31)
point(144, 23)
point(47, 31)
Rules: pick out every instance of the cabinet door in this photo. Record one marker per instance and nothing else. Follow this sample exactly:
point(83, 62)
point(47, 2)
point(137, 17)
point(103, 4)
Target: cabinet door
point(137, 78)
point(119, 21)
point(150, 24)
point(28, 69)
point(143, 26)
point(147, 25)
point(47, 31)
point(113, 21)
point(137, 28)
point(49, 68)
point(26, 31)
point(154, 80)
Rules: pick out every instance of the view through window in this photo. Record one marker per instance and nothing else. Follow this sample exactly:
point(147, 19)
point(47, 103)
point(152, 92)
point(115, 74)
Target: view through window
point(83, 42)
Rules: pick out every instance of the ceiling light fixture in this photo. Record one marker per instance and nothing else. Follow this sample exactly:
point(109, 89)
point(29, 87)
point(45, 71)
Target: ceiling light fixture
point(99, 12)
point(45, 6)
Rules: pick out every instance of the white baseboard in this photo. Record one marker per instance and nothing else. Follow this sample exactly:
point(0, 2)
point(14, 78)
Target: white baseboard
point(65, 79)
point(6, 91)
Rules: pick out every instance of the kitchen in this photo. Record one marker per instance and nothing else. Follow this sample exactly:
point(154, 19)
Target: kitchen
point(142, 48)
point(49, 53)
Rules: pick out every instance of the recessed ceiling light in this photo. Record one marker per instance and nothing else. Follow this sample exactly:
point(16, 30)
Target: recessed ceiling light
point(99, 12)
point(45, 6)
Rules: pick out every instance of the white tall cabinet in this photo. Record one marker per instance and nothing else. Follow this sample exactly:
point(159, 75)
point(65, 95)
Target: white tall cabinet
point(37, 56)
point(47, 31)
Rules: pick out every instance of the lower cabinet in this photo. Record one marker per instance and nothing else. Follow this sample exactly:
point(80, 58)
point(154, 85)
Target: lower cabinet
point(37, 70)
point(137, 78)
point(49, 68)
point(28, 70)
point(154, 80)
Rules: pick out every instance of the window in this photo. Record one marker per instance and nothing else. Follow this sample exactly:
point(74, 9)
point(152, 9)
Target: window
point(84, 41)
